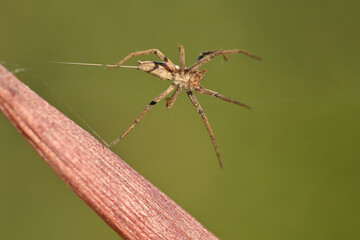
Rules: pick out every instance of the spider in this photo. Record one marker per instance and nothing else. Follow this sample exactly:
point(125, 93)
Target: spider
point(187, 78)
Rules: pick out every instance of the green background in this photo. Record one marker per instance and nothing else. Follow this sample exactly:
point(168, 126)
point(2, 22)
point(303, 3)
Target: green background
point(291, 165)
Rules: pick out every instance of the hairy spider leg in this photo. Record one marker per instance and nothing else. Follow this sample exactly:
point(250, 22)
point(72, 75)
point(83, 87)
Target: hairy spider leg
point(203, 54)
point(208, 57)
point(170, 101)
point(182, 58)
point(203, 90)
point(148, 107)
point(206, 121)
point(163, 58)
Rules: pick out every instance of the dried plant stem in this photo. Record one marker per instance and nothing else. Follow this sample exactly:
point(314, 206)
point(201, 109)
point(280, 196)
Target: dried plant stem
point(126, 201)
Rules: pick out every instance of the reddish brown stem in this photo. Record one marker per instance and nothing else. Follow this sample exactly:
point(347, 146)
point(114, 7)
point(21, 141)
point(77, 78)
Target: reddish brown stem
point(126, 201)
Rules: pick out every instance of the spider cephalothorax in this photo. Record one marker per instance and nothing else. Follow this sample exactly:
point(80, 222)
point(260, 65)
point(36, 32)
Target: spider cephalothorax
point(187, 78)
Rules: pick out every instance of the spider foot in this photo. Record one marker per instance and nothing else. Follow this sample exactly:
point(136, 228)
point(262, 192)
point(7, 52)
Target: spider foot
point(168, 102)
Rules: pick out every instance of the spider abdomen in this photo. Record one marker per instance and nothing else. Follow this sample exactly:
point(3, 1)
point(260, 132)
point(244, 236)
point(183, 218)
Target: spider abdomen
point(158, 69)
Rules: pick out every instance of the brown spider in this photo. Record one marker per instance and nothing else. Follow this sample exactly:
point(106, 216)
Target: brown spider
point(182, 77)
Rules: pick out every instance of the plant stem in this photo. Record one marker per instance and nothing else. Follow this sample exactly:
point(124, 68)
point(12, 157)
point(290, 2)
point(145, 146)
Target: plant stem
point(125, 200)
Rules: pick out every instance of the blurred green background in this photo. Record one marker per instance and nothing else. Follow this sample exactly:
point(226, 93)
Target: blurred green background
point(291, 165)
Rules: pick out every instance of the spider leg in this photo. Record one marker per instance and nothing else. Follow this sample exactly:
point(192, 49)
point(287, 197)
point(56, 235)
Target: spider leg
point(182, 58)
point(137, 120)
point(206, 122)
point(163, 58)
point(211, 54)
point(170, 101)
point(203, 54)
point(203, 90)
